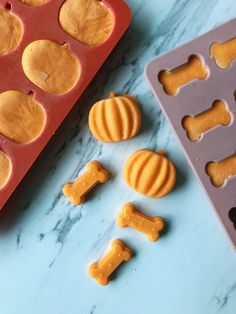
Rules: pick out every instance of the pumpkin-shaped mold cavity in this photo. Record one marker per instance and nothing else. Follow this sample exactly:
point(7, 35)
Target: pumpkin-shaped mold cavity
point(89, 21)
point(22, 118)
point(50, 66)
point(11, 31)
point(5, 169)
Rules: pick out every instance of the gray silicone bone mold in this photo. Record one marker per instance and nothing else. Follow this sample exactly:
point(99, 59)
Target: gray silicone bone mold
point(194, 98)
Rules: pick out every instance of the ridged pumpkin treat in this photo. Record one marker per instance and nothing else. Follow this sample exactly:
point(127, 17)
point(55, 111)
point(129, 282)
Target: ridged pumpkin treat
point(115, 119)
point(150, 173)
point(5, 169)
point(11, 31)
point(88, 21)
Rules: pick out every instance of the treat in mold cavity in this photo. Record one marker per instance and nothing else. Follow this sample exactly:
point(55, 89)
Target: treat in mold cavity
point(173, 80)
point(224, 53)
point(22, 118)
point(88, 21)
point(217, 115)
point(150, 173)
point(117, 118)
point(77, 190)
point(5, 169)
point(103, 269)
point(11, 30)
point(34, 3)
point(221, 171)
point(150, 226)
point(50, 66)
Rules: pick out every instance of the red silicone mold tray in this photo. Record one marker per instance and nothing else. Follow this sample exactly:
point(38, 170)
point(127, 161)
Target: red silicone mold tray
point(42, 23)
point(208, 94)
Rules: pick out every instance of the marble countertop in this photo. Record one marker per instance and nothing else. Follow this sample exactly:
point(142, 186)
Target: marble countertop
point(46, 244)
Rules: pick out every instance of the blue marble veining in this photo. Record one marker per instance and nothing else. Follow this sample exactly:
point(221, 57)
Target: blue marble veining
point(46, 243)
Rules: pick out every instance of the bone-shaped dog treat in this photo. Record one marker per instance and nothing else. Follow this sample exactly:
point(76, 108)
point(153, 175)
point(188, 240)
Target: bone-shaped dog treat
point(77, 190)
point(224, 53)
point(173, 80)
point(103, 269)
point(150, 226)
point(217, 115)
point(220, 171)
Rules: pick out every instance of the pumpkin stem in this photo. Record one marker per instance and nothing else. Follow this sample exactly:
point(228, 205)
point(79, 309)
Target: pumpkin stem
point(111, 95)
point(161, 152)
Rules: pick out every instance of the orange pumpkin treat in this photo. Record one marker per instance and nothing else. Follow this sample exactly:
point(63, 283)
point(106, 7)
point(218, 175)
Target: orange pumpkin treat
point(150, 173)
point(150, 226)
point(103, 269)
point(115, 119)
point(77, 190)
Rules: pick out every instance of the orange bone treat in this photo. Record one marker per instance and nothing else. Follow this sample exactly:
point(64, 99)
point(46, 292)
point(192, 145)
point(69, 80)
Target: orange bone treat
point(150, 226)
point(221, 171)
point(173, 80)
point(224, 53)
point(217, 115)
point(103, 269)
point(77, 190)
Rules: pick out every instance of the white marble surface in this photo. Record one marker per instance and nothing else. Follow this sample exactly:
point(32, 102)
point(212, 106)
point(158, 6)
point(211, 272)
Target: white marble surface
point(46, 244)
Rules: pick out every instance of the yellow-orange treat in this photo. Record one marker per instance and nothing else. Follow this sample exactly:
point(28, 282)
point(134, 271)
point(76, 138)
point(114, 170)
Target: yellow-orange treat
point(77, 190)
point(22, 118)
point(221, 171)
point(173, 80)
point(50, 66)
point(11, 30)
point(197, 125)
point(103, 269)
point(224, 53)
point(88, 21)
point(5, 169)
point(115, 119)
point(150, 173)
point(150, 226)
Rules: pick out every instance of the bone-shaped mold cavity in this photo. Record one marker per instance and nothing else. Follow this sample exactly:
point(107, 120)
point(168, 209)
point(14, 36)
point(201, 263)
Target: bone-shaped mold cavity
point(50, 66)
point(11, 30)
point(150, 226)
point(224, 53)
point(103, 269)
point(88, 21)
point(5, 169)
point(221, 171)
point(173, 80)
point(77, 190)
point(217, 115)
point(232, 216)
point(22, 118)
